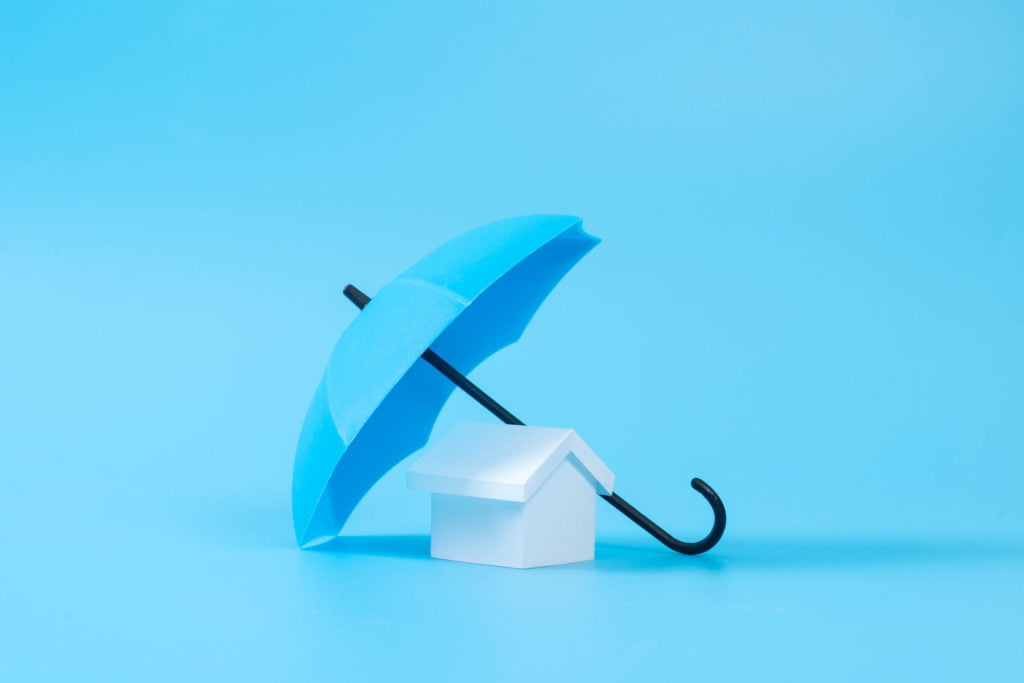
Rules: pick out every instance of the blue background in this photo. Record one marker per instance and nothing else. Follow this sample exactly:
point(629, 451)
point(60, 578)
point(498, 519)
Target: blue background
point(810, 293)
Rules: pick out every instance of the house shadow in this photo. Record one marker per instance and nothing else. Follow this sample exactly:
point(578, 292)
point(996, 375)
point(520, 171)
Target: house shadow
point(256, 524)
point(757, 554)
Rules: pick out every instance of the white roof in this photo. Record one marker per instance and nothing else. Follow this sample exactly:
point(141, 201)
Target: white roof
point(503, 462)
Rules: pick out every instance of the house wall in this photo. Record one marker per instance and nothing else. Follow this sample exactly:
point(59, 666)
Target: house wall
point(477, 530)
point(558, 521)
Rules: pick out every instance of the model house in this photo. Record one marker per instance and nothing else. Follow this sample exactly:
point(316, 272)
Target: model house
point(511, 496)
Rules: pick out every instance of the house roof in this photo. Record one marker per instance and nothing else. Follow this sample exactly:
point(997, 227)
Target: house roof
point(503, 462)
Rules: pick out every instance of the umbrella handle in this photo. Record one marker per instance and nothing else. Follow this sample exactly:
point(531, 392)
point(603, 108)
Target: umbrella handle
point(645, 522)
point(361, 300)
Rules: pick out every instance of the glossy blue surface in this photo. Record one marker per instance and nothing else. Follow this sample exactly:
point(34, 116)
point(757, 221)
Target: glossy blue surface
point(809, 293)
point(378, 401)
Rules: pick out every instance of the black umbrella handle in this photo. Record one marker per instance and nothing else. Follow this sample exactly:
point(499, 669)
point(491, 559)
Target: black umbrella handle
point(643, 521)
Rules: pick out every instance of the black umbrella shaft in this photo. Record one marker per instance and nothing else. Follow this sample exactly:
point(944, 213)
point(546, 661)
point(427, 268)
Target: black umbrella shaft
point(457, 378)
point(643, 521)
point(475, 392)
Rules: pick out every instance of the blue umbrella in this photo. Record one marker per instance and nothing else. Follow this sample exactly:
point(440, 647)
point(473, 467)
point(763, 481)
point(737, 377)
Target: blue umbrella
point(395, 366)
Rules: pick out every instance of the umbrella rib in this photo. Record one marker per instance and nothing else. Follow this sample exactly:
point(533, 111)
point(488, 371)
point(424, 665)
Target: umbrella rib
point(360, 299)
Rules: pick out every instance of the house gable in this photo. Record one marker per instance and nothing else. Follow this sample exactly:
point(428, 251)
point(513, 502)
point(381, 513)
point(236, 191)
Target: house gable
point(558, 521)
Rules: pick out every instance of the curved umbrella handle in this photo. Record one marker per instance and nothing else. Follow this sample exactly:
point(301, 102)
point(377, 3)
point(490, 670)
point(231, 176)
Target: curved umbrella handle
point(645, 523)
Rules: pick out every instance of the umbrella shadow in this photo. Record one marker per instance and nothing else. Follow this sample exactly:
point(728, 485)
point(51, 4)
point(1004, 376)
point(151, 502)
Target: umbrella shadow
point(244, 523)
point(812, 553)
point(256, 524)
point(408, 546)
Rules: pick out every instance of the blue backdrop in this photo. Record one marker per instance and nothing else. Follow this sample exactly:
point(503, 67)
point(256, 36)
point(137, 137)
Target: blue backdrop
point(810, 293)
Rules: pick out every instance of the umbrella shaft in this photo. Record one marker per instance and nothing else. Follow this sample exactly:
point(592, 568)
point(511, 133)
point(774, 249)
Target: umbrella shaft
point(475, 392)
point(614, 499)
point(480, 396)
point(461, 381)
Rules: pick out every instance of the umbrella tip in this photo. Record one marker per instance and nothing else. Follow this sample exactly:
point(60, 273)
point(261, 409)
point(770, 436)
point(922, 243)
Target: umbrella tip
point(356, 296)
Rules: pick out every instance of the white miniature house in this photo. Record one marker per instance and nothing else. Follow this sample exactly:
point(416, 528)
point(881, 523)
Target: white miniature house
point(511, 496)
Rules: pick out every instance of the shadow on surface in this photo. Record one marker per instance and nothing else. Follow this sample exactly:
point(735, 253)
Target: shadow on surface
point(262, 525)
point(259, 525)
point(247, 523)
point(414, 546)
point(811, 553)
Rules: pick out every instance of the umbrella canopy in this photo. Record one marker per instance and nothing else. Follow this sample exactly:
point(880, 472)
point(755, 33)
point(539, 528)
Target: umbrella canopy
point(378, 400)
